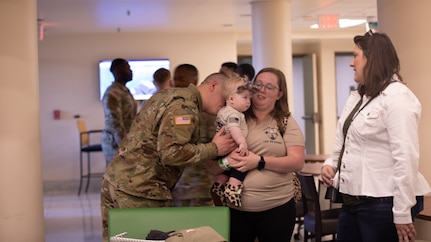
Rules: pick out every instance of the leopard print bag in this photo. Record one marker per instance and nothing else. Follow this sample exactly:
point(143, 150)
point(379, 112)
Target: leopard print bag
point(297, 192)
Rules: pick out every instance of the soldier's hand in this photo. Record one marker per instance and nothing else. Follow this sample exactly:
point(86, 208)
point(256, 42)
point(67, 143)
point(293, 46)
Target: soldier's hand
point(225, 143)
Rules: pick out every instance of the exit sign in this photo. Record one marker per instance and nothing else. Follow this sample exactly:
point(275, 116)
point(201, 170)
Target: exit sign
point(328, 21)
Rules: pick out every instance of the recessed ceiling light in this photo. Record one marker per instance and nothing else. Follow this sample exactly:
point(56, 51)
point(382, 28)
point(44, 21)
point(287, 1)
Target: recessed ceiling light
point(344, 23)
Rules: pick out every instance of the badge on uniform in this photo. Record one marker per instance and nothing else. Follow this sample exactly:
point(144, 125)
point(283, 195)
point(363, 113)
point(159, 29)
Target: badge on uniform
point(183, 120)
point(233, 120)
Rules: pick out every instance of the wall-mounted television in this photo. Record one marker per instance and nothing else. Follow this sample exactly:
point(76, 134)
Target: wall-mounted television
point(141, 87)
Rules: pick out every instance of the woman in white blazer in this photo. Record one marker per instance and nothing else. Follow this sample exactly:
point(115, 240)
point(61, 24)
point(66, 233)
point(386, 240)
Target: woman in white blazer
point(378, 147)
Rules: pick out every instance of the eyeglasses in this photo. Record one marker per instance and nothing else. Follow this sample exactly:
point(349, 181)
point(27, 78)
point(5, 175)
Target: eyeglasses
point(267, 86)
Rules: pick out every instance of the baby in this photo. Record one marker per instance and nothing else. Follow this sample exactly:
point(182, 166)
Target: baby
point(237, 92)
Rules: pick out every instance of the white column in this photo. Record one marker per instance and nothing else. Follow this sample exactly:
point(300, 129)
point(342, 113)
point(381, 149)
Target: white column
point(21, 199)
point(407, 24)
point(271, 42)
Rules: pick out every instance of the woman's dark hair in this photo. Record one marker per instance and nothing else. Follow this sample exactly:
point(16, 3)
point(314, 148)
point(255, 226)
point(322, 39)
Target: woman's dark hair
point(281, 109)
point(382, 62)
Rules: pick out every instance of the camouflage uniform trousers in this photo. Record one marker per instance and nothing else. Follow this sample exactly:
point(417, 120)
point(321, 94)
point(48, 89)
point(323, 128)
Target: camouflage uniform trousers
point(113, 198)
point(193, 187)
point(109, 147)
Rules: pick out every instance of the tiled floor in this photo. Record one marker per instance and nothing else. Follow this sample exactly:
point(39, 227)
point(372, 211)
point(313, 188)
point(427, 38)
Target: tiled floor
point(73, 218)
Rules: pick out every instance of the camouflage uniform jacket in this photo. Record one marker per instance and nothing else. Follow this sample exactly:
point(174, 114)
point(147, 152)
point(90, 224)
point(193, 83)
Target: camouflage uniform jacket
point(162, 141)
point(120, 110)
point(196, 181)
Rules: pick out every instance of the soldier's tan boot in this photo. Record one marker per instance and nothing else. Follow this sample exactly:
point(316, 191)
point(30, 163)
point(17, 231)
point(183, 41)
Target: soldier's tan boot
point(233, 194)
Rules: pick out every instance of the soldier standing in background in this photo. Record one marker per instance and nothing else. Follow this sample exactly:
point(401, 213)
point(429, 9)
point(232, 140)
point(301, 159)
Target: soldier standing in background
point(228, 68)
point(193, 187)
point(162, 141)
point(119, 107)
point(162, 79)
point(246, 69)
point(185, 74)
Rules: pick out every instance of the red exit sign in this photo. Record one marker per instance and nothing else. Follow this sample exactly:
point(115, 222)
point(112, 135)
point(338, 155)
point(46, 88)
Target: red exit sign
point(328, 22)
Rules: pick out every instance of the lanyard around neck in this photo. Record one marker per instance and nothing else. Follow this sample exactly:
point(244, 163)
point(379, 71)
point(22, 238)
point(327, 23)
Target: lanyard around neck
point(355, 111)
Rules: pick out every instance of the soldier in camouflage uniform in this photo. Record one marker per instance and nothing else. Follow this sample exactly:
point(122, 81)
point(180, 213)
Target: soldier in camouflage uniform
point(193, 188)
point(162, 141)
point(119, 108)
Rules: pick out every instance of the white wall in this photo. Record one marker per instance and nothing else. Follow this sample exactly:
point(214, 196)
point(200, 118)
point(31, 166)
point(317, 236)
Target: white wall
point(69, 82)
point(68, 76)
point(325, 51)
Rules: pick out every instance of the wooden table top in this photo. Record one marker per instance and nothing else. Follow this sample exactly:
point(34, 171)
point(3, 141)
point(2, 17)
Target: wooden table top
point(313, 163)
point(315, 158)
point(312, 168)
point(426, 213)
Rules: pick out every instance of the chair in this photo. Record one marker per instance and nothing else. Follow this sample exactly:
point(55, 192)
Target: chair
point(138, 222)
point(299, 219)
point(317, 222)
point(87, 147)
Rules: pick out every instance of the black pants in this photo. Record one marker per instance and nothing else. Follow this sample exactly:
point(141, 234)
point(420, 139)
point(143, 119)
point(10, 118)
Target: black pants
point(274, 225)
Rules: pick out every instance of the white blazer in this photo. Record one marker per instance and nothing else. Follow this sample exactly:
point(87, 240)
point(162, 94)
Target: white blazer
point(381, 155)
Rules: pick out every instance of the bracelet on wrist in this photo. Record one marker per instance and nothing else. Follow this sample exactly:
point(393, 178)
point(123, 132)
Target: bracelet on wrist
point(224, 163)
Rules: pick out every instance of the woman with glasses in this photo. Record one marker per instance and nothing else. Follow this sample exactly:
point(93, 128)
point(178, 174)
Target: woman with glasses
point(276, 150)
point(375, 157)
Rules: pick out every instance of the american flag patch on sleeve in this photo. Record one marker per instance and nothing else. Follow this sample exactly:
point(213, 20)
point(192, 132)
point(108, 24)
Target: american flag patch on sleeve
point(182, 120)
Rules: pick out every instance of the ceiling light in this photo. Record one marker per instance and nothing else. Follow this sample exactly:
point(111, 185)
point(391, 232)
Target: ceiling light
point(344, 23)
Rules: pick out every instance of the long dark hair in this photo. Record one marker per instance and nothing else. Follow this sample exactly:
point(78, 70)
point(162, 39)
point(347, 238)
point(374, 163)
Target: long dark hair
point(281, 110)
point(382, 62)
